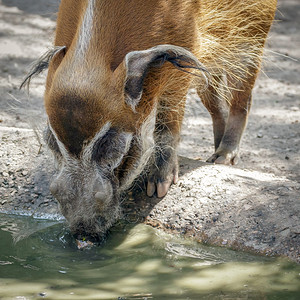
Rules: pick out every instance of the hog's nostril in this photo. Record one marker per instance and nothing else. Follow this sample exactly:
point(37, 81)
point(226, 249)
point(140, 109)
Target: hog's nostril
point(54, 188)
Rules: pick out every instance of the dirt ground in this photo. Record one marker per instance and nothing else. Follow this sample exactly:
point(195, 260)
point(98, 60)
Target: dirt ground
point(254, 206)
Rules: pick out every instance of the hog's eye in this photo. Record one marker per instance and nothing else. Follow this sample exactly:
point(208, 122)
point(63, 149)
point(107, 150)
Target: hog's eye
point(110, 148)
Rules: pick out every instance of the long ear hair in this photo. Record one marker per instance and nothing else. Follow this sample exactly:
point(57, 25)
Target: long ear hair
point(40, 65)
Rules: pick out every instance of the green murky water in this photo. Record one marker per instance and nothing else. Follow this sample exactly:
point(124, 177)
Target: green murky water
point(39, 260)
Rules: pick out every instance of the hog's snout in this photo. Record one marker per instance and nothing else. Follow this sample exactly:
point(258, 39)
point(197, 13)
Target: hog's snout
point(88, 201)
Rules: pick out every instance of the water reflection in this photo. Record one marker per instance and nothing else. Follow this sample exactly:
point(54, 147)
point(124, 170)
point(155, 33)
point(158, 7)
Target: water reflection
point(137, 262)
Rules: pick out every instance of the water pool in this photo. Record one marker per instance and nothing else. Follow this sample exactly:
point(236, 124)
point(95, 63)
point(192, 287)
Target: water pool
point(39, 260)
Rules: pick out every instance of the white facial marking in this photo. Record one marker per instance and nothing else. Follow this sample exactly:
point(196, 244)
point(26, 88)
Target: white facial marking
point(61, 146)
point(88, 149)
point(85, 33)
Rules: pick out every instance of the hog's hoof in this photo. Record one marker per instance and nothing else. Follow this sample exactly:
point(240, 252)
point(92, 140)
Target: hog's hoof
point(224, 157)
point(160, 186)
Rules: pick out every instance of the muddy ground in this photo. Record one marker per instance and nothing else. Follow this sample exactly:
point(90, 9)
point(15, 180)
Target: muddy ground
point(254, 206)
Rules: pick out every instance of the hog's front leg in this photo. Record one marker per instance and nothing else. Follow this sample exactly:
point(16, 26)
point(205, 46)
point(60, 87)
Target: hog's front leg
point(164, 170)
point(164, 165)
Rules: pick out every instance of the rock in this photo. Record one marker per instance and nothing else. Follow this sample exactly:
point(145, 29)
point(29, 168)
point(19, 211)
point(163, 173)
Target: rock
point(24, 173)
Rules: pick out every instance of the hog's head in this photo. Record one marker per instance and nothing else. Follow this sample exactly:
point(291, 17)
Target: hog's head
point(86, 185)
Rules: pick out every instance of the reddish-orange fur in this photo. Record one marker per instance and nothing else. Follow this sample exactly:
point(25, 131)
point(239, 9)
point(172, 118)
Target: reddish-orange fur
point(124, 26)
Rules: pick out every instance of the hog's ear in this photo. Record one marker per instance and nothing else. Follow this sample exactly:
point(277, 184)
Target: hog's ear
point(41, 64)
point(138, 63)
